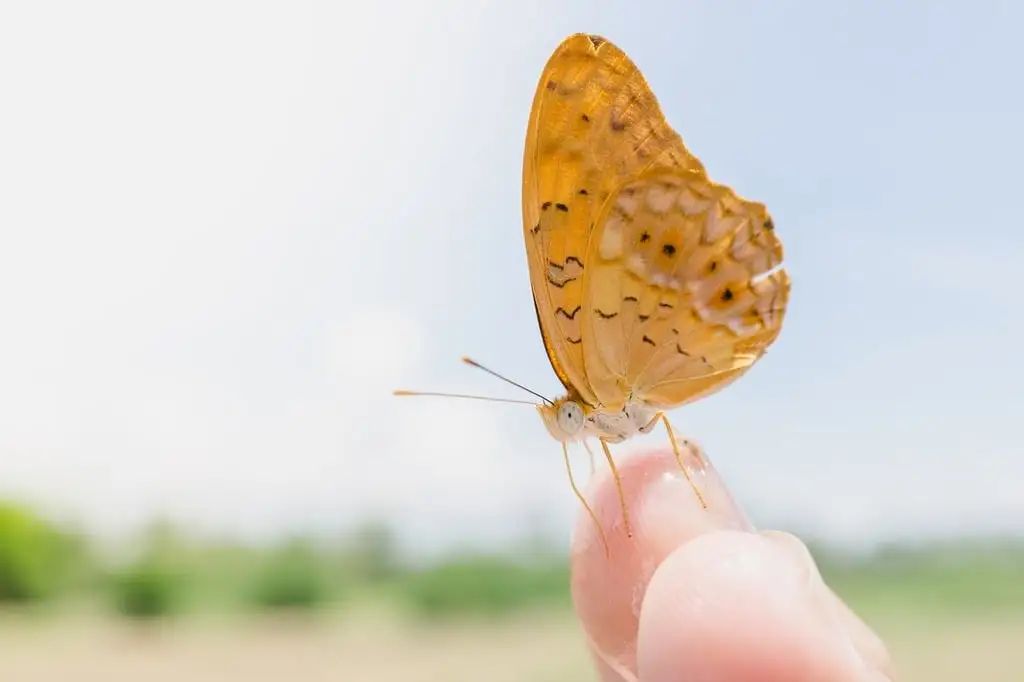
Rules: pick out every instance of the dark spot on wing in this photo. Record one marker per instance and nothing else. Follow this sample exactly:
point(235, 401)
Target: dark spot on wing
point(649, 340)
point(545, 206)
point(669, 250)
point(562, 207)
point(568, 316)
point(727, 295)
point(645, 237)
point(603, 315)
point(558, 284)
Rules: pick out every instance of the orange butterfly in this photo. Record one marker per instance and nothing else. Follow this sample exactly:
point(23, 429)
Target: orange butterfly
point(653, 285)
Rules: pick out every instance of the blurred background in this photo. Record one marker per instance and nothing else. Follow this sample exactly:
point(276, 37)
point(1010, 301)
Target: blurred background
point(228, 230)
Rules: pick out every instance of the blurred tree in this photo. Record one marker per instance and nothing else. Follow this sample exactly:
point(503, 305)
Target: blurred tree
point(291, 579)
point(146, 590)
point(151, 586)
point(36, 557)
point(488, 585)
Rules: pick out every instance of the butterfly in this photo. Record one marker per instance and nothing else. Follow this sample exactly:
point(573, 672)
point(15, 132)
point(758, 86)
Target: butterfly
point(654, 286)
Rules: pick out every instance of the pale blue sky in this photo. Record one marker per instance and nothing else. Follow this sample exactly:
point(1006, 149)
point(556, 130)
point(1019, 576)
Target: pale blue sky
point(229, 229)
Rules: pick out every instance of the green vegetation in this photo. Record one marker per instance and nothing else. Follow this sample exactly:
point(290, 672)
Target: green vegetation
point(487, 585)
point(146, 590)
point(965, 577)
point(292, 578)
point(953, 611)
point(173, 572)
point(149, 587)
point(37, 559)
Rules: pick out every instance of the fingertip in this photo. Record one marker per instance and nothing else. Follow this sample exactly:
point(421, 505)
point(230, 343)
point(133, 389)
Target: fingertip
point(608, 585)
point(695, 592)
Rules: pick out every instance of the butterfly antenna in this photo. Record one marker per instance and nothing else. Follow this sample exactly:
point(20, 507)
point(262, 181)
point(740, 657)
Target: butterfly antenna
point(476, 364)
point(463, 395)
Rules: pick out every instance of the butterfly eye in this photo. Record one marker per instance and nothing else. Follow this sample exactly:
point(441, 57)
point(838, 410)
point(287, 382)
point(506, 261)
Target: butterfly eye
point(570, 417)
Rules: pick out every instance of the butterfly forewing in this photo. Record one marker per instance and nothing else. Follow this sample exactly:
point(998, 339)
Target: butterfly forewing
point(594, 124)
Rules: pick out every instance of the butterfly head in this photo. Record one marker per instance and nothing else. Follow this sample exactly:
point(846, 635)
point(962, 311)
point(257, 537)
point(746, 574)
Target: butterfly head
point(564, 418)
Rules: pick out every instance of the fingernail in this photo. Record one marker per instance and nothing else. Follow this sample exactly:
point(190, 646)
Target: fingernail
point(669, 510)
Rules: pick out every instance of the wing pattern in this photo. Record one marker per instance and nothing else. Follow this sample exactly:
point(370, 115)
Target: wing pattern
point(650, 281)
point(684, 293)
point(594, 124)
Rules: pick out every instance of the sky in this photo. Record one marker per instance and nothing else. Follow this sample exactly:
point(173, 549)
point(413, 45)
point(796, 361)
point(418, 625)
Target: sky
point(229, 229)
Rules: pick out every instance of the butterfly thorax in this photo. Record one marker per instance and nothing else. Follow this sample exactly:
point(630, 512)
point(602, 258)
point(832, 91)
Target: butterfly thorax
point(571, 419)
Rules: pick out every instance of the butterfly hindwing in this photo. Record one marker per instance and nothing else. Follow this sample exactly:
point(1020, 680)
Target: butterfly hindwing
point(680, 298)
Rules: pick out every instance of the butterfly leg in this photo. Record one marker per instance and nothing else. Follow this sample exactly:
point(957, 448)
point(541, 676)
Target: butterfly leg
point(590, 454)
point(583, 501)
point(618, 486)
point(679, 460)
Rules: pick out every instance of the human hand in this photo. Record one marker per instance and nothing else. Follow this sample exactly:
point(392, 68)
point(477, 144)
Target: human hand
point(698, 595)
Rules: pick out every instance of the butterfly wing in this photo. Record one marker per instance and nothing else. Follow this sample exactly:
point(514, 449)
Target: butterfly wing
point(594, 124)
point(682, 293)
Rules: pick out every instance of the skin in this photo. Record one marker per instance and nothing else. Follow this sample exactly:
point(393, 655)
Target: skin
point(701, 596)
